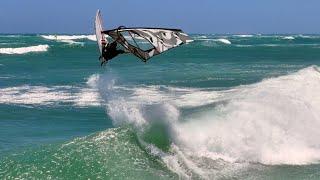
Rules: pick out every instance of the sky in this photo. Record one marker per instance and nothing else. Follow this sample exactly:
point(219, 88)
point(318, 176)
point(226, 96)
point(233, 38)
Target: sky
point(201, 16)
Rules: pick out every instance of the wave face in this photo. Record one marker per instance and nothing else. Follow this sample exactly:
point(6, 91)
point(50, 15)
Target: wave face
point(92, 156)
point(24, 50)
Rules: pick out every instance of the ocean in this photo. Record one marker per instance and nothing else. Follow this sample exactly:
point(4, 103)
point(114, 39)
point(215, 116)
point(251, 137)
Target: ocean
point(221, 107)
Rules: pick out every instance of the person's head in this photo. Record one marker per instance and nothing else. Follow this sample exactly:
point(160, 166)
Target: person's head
point(103, 42)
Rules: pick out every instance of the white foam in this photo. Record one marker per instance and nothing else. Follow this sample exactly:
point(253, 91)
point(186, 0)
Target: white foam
point(225, 41)
point(180, 97)
point(71, 42)
point(189, 41)
point(285, 45)
point(309, 36)
point(31, 95)
point(221, 40)
point(87, 97)
point(288, 38)
point(55, 95)
point(24, 50)
point(199, 37)
point(10, 36)
point(269, 45)
point(275, 121)
point(244, 35)
point(244, 45)
point(272, 122)
point(69, 37)
point(92, 37)
point(202, 36)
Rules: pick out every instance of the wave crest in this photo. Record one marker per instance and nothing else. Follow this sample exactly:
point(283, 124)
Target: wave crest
point(275, 121)
point(69, 37)
point(24, 50)
point(271, 122)
point(288, 38)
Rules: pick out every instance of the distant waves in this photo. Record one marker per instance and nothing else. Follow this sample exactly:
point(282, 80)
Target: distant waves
point(69, 38)
point(42, 47)
point(24, 50)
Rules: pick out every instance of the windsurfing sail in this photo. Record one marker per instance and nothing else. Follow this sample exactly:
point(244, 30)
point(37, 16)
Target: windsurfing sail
point(142, 42)
point(98, 24)
point(148, 42)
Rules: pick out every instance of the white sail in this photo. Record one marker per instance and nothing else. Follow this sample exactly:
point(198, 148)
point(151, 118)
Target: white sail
point(98, 25)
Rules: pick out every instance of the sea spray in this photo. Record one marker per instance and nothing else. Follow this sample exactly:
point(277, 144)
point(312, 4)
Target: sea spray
point(275, 121)
point(271, 122)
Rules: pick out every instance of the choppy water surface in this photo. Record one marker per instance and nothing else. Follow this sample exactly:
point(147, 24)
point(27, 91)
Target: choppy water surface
point(221, 107)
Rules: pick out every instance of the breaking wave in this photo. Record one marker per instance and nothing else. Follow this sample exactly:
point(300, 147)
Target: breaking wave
point(309, 36)
point(244, 35)
point(225, 41)
point(275, 121)
point(197, 37)
point(271, 122)
point(69, 37)
point(24, 50)
point(288, 38)
point(221, 40)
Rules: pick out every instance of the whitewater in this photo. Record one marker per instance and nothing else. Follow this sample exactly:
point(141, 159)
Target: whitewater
point(275, 121)
point(222, 107)
point(24, 50)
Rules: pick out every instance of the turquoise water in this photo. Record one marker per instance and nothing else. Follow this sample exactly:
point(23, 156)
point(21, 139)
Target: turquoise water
point(221, 107)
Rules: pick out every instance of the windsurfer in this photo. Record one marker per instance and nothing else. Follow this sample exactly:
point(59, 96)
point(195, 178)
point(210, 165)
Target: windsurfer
point(109, 51)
